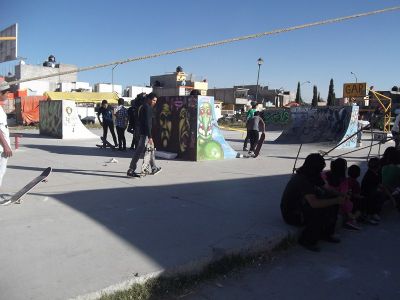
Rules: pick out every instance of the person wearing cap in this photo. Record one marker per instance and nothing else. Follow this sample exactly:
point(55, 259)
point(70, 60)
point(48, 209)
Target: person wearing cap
point(5, 148)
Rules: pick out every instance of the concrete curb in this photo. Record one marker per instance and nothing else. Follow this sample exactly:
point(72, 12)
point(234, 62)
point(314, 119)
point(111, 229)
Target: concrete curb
point(258, 245)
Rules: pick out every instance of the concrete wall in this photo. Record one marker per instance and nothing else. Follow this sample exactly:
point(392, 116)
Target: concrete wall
point(133, 91)
point(28, 71)
point(107, 88)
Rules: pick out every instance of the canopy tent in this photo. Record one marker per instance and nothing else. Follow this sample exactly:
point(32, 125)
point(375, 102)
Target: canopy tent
point(83, 96)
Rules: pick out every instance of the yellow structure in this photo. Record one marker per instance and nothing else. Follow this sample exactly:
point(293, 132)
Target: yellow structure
point(387, 107)
point(111, 98)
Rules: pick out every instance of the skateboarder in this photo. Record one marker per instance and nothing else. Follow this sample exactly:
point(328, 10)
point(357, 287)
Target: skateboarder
point(5, 148)
point(254, 125)
point(107, 114)
point(250, 114)
point(145, 141)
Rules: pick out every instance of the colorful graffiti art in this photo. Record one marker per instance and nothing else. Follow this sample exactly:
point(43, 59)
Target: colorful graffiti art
point(187, 126)
point(50, 118)
point(351, 131)
point(174, 126)
point(211, 144)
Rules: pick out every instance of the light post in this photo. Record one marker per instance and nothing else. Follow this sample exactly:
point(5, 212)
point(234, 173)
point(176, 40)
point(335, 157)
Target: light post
point(260, 61)
point(354, 76)
point(112, 77)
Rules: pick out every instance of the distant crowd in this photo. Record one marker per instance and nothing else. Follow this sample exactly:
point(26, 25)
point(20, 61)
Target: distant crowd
point(318, 199)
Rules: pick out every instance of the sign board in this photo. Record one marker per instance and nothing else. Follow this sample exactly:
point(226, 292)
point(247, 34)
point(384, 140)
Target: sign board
point(8, 45)
point(353, 90)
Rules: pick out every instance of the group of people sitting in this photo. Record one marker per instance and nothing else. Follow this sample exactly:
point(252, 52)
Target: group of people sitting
point(314, 198)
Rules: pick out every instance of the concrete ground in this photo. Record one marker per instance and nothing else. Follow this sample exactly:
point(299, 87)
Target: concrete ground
point(365, 265)
point(91, 229)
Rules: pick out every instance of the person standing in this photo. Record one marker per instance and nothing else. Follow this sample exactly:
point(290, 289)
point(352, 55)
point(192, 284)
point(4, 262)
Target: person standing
point(121, 120)
point(250, 114)
point(107, 115)
point(145, 123)
point(5, 148)
point(131, 123)
point(254, 125)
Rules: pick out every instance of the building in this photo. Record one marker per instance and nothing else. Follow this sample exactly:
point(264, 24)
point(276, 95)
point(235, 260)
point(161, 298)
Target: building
point(177, 83)
point(39, 87)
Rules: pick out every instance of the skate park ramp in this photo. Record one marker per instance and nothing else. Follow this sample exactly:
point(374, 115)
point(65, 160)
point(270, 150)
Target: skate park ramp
point(59, 119)
point(187, 126)
point(331, 124)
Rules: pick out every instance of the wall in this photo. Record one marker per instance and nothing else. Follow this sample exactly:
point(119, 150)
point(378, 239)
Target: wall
point(276, 118)
point(188, 126)
point(317, 124)
point(28, 71)
point(50, 118)
point(175, 126)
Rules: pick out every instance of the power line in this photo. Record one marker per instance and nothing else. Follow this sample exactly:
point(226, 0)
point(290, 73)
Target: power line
point(212, 44)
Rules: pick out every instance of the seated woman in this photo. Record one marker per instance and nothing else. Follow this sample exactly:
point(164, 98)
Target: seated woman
point(337, 182)
point(306, 203)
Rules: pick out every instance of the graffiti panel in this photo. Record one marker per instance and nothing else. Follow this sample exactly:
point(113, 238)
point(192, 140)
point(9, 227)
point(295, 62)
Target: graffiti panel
point(175, 125)
point(316, 124)
point(50, 118)
point(276, 118)
point(351, 130)
point(211, 144)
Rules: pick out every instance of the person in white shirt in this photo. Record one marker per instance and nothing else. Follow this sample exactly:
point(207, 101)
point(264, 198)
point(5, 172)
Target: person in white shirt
point(396, 131)
point(5, 148)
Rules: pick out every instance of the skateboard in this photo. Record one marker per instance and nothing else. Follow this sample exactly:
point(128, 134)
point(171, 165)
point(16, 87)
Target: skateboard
point(108, 144)
point(18, 195)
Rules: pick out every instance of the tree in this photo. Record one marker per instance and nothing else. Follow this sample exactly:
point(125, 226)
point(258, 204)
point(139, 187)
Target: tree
point(314, 101)
point(331, 94)
point(298, 94)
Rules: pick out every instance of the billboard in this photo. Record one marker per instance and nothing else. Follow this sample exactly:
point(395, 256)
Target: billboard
point(8, 43)
point(355, 90)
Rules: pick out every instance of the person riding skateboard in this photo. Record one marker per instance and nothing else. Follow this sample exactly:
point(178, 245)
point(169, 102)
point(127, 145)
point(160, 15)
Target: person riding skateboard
point(145, 140)
point(254, 125)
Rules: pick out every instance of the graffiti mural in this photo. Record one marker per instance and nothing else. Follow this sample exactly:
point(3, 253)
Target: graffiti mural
point(351, 130)
point(211, 144)
point(317, 124)
point(59, 119)
point(276, 118)
point(174, 125)
point(50, 118)
point(187, 126)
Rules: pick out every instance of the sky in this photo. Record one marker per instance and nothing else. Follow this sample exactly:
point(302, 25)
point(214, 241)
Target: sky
point(89, 32)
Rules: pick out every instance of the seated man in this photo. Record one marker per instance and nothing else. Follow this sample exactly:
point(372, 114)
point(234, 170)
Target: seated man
point(306, 202)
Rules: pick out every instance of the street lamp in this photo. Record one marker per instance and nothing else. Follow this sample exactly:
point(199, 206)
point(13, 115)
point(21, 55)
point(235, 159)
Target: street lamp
point(112, 77)
point(354, 76)
point(259, 63)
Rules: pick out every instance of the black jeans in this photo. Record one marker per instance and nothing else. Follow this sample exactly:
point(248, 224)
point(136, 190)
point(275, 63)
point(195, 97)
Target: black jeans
point(246, 139)
point(106, 126)
point(320, 223)
point(121, 138)
point(253, 135)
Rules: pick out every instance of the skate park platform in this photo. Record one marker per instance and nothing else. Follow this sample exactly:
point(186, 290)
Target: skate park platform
point(90, 228)
point(301, 125)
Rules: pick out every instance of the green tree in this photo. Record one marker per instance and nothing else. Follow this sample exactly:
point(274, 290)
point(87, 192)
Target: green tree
point(298, 94)
point(331, 94)
point(314, 101)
